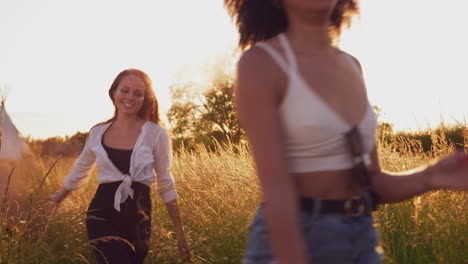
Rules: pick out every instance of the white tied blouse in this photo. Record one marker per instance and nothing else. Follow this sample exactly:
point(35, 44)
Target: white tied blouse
point(151, 153)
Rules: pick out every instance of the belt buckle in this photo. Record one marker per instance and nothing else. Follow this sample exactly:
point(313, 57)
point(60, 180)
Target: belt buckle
point(359, 210)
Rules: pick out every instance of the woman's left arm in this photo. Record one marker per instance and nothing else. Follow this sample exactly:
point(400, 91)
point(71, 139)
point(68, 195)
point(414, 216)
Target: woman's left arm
point(182, 244)
point(166, 189)
point(450, 172)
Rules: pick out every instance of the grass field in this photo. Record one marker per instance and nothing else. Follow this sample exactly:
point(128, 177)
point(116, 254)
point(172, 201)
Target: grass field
point(218, 196)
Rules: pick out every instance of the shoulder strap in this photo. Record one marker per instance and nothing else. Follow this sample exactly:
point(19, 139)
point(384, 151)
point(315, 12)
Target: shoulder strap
point(276, 56)
point(288, 50)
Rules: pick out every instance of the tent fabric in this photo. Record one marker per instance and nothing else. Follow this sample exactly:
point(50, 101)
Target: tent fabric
point(12, 146)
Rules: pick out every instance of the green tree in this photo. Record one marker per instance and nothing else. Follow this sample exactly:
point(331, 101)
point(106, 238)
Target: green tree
point(205, 113)
point(206, 118)
point(219, 109)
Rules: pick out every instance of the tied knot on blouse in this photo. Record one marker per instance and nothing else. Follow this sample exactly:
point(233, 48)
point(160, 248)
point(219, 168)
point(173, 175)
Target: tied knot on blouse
point(150, 162)
point(123, 192)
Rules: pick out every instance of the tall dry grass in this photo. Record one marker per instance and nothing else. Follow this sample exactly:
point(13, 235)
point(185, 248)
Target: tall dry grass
point(218, 196)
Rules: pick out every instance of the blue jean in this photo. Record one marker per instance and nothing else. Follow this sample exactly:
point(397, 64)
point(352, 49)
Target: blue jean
point(332, 238)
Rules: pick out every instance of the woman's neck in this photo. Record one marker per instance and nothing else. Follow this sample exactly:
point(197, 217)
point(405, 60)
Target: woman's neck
point(309, 34)
point(127, 121)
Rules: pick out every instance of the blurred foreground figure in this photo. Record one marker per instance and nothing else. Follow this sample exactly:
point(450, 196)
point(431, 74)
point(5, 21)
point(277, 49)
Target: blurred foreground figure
point(304, 106)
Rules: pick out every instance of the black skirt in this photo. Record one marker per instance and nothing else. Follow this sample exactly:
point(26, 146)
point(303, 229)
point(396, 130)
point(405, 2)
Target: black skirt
point(120, 237)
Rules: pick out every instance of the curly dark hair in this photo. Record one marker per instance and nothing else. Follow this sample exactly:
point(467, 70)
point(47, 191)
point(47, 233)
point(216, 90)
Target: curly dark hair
point(258, 20)
point(150, 108)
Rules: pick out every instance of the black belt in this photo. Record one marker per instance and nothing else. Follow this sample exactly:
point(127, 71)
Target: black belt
point(354, 206)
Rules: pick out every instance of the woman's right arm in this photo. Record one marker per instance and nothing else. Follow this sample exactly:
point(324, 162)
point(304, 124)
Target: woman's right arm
point(258, 97)
point(79, 173)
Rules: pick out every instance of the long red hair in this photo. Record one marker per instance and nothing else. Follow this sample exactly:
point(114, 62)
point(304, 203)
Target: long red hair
point(150, 108)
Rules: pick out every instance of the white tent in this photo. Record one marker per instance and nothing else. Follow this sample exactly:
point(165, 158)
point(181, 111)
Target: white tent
point(12, 146)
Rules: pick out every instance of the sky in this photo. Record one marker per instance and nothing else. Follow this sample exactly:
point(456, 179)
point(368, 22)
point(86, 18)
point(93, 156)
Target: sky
point(59, 57)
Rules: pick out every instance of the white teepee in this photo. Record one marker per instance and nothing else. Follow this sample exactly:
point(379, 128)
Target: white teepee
point(12, 146)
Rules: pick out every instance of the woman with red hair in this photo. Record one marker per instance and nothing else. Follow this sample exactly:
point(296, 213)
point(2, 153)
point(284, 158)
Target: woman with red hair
point(132, 151)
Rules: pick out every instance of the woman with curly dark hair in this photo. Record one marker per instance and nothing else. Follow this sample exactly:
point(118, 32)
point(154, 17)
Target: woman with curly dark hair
point(303, 104)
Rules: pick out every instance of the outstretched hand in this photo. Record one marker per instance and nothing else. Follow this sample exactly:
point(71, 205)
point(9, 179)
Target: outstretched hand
point(450, 172)
point(56, 200)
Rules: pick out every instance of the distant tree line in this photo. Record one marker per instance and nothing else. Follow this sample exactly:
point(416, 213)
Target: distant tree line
point(215, 123)
point(68, 146)
point(427, 140)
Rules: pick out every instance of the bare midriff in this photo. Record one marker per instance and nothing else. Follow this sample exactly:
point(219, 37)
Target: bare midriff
point(330, 185)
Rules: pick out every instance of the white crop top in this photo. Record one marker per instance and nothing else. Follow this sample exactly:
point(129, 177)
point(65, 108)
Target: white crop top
point(313, 133)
